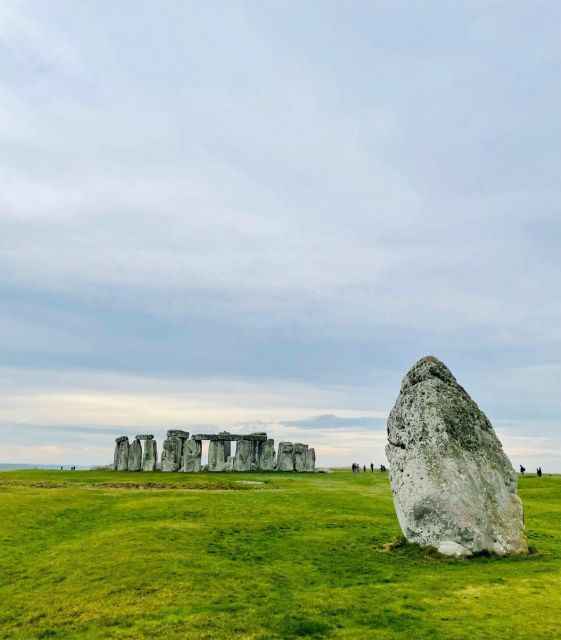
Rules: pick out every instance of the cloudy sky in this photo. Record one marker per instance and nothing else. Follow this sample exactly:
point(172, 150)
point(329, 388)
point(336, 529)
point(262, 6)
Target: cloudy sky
point(258, 215)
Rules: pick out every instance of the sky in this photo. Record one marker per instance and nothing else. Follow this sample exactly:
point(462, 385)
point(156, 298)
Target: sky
point(256, 216)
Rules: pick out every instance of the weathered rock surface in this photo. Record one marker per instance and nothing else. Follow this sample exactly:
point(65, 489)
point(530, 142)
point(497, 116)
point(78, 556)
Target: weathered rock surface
point(192, 452)
point(150, 456)
point(267, 456)
point(224, 435)
point(285, 457)
point(310, 459)
point(121, 457)
point(135, 455)
point(178, 433)
point(172, 453)
point(243, 459)
point(299, 454)
point(453, 486)
point(217, 455)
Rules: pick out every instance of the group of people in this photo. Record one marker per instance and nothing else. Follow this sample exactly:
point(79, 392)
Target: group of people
point(356, 468)
point(538, 471)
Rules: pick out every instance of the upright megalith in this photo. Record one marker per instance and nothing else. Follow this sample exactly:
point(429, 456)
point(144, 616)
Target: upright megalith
point(453, 486)
point(172, 449)
point(135, 455)
point(299, 455)
point(217, 455)
point(150, 455)
point(243, 459)
point(285, 457)
point(227, 445)
point(121, 457)
point(310, 459)
point(267, 456)
point(257, 445)
point(192, 452)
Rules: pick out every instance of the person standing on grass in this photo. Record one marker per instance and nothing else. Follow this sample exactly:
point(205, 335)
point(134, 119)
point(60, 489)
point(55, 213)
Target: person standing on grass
point(371, 467)
point(522, 470)
point(539, 472)
point(364, 468)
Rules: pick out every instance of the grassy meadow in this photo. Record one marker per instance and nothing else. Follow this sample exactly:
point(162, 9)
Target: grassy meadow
point(96, 554)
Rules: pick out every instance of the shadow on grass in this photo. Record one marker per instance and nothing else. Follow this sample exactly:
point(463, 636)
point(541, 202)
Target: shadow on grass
point(410, 550)
point(294, 627)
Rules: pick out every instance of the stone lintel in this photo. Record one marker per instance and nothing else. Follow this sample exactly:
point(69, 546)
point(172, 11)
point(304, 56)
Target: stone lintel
point(230, 436)
point(178, 433)
point(145, 436)
point(121, 439)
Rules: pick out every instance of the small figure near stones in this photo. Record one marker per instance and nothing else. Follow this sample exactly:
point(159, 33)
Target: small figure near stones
point(522, 470)
point(371, 467)
point(364, 469)
point(539, 472)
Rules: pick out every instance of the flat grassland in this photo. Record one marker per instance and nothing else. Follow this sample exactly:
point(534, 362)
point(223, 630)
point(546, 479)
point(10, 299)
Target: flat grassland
point(95, 554)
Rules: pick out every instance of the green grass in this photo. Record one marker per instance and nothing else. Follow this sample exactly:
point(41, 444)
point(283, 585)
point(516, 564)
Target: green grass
point(117, 555)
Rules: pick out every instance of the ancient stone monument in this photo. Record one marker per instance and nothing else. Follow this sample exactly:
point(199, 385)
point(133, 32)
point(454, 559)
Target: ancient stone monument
point(267, 456)
point(135, 456)
point(192, 456)
point(254, 452)
point(121, 457)
point(172, 449)
point(150, 454)
point(453, 486)
point(300, 456)
point(285, 457)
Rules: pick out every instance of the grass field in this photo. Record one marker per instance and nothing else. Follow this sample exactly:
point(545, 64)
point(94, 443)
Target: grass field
point(117, 555)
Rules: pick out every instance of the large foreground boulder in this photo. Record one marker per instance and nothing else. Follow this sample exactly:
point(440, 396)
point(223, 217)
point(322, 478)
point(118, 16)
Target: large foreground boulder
point(453, 486)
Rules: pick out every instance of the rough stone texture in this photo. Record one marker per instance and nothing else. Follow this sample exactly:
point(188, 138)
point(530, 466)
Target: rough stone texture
point(227, 445)
point(285, 457)
point(172, 453)
point(192, 456)
point(243, 459)
point(145, 436)
point(216, 455)
point(453, 486)
point(121, 457)
point(135, 456)
point(230, 436)
point(267, 456)
point(178, 433)
point(299, 454)
point(310, 459)
point(150, 457)
point(257, 444)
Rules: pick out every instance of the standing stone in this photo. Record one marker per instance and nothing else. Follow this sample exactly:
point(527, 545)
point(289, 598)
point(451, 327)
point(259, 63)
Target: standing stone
point(267, 456)
point(453, 486)
point(150, 457)
point(285, 457)
point(172, 453)
point(310, 459)
point(216, 455)
point(192, 452)
point(121, 457)
point(135, 455)
point(243, 459)
point(227, 445)
point(299, 454)
point(256, 457)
